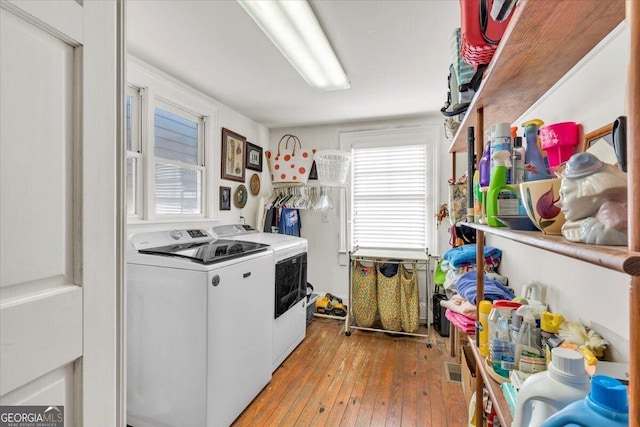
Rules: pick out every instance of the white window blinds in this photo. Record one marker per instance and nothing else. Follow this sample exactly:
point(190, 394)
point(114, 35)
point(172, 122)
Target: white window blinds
point(390, 196)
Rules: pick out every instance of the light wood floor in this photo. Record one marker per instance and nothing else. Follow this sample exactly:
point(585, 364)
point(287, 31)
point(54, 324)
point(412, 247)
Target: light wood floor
point(367, 379)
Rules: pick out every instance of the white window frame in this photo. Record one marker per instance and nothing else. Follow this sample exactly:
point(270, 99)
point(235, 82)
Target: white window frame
point(137, 139)
point(200, 163)
point(422, 135)
point(159, 88)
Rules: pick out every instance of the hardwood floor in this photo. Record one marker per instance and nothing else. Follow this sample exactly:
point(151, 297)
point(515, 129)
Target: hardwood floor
point(367, 379)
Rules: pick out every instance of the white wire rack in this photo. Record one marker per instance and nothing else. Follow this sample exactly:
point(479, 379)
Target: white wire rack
point(399, 256)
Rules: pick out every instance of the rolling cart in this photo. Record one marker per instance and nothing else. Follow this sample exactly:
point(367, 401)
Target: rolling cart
point(388, 256)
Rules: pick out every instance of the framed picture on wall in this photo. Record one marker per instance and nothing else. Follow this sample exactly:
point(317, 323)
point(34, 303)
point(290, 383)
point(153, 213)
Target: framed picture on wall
point(232, 155)
point(225, 198)
point(253, 158)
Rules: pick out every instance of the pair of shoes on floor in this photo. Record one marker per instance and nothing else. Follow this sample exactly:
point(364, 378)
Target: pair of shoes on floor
point(332, 305)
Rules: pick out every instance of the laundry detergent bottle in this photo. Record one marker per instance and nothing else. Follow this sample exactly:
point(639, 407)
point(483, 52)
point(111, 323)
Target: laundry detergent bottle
point(501, 198)
point(545, 393)
point(606, 406)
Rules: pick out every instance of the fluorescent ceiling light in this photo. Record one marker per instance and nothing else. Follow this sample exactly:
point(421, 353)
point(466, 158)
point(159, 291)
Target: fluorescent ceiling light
point(294, 29)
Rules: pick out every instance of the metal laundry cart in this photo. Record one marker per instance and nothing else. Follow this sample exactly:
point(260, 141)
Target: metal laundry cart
point(388, 256)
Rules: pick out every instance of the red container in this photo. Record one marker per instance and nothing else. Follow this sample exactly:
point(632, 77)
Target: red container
point(559, 140)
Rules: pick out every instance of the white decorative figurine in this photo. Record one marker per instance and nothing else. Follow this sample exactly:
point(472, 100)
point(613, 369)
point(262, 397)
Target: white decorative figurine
point(593, 198)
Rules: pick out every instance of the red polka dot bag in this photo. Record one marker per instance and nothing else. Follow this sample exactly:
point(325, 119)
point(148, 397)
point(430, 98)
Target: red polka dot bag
point(289, 167)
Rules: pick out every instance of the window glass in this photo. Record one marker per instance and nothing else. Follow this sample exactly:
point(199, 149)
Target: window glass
point(176, 137)
point(178, 190)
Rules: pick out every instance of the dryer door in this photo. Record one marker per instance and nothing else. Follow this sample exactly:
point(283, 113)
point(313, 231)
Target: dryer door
point(291, 283)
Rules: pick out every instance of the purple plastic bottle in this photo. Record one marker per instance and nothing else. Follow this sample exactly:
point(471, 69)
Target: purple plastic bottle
point(484, 168)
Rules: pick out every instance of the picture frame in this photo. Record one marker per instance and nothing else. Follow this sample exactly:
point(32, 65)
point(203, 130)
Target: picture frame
point(225, 198)
point(233, 155)
point(604, 133)
point(253, 159)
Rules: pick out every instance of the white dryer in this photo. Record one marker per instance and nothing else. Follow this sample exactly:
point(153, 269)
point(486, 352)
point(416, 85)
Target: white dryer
point(290, 289)
point(198, 329)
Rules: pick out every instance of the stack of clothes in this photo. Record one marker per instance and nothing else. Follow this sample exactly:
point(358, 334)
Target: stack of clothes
point(459, 266)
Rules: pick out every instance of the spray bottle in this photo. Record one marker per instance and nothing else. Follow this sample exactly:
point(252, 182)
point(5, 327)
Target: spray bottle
point(530, 357)
point(533, 156)
point(501, 198)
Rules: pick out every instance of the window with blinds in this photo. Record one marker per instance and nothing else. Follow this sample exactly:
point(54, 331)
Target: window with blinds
point(389, 198)
point(179, 167)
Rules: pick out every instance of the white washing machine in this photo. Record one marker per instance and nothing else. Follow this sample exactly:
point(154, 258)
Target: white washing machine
point(290, 285)
point(198, 335)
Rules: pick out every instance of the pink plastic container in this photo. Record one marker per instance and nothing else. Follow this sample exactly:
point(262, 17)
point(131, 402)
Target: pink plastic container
point(559, 140)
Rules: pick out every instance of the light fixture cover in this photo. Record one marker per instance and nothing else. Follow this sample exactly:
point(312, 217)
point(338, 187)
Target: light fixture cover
point(294, 29)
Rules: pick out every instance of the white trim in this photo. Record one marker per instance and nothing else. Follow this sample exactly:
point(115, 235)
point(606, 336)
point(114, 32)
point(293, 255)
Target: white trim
point(103, 330)
point(62, 18)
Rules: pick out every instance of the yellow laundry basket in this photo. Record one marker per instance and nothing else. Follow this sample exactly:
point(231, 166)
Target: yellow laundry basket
point(409, 299)
point(389, 299)
point(364, 299)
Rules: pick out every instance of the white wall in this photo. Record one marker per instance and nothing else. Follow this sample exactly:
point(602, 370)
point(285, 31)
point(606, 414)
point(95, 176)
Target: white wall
point(577, 289)
point(327, 270)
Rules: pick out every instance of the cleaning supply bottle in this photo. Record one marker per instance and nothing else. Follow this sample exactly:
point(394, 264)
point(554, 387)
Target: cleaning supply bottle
point(517, 161)
point(477, 197)
point(533, 156)
point(483, 330)
point(501, 199)
point(545, 393)
point(500, 141)
point(484, 167)
point(529, 356)
point(607, 405)
point(501, 347)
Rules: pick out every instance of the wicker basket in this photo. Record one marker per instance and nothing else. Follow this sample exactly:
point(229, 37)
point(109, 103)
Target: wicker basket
point(332, 166)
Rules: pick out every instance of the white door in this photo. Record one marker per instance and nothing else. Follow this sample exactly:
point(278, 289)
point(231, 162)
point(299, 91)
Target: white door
point(60, 241)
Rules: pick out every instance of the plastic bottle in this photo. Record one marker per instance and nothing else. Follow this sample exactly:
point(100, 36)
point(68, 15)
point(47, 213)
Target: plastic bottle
point(501, 199)
point(484, 167)
point(529, 356)
point(500, 141)
point(483, 334)
point(501, 347)
point(607, 405)
point(517, 161)
point(533, 154)
point(477, 198)
point(545, 393)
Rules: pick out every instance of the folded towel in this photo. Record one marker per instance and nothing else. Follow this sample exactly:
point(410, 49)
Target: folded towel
point(462, 322)
point(465, 255)
point(493, 289)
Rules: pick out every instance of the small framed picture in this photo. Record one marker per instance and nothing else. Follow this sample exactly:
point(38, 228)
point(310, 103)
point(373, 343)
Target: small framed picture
point(232, 155)
point(225, 198)
point(253, 159)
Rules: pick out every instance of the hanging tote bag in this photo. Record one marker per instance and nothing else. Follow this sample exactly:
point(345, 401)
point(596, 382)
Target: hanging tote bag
point(290, 167)
point(389, 296)
point(409, 299)
point(364, 302)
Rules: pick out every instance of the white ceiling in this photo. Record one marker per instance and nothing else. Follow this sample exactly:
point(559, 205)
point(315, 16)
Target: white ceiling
point(395, 53)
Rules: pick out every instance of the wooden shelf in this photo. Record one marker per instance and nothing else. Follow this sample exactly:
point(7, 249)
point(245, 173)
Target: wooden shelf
point(616, 258)
point(495, 392)
point(544, 40)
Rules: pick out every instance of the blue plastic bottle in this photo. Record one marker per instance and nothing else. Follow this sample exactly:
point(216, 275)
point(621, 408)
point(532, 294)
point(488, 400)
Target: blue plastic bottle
point(606, 405)
point(533, 154)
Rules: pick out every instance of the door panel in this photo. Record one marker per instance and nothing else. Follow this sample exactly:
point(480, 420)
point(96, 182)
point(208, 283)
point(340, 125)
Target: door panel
point(41, 302)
